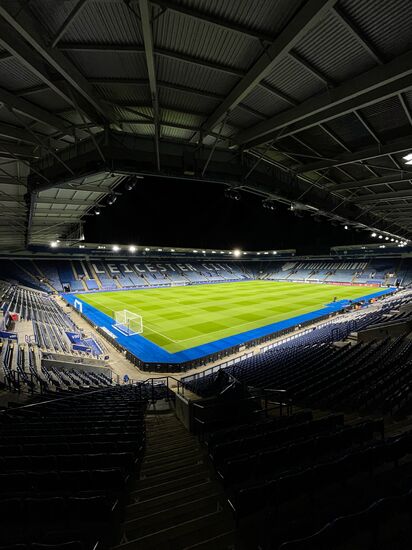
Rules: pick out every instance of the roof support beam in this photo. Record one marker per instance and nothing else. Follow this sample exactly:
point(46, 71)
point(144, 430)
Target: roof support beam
point(32, 111)
point(218, 21)
point(151, 70)
point(377, 197)
point(395, 146)
point(14, 149)
point(25, 27)
point(68, 21)
point(372, 182)
point(370, 87)
point(307, 17)
point(366, 45)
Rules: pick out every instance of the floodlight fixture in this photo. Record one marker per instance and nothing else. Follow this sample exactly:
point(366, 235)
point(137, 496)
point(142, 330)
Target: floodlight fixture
point(115, 248)
point(132, 248)
point(237, 252)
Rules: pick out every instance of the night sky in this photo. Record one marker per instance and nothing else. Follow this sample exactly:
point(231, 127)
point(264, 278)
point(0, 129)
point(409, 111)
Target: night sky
point(168, 212)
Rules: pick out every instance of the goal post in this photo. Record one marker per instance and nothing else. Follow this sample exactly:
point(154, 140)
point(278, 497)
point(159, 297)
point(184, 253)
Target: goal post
point(128, 323)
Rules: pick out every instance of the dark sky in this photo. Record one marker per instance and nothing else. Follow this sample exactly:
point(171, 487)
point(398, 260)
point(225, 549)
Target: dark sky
point(168, 212)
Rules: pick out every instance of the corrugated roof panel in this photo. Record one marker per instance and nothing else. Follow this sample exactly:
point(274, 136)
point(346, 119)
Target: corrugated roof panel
point(106, 22)
point(332, 49)
point(110, 64)
point(289, 77)
point(241, 118)
point(319, 141)
point(176, 133)
point(351, 131)
point(265, 102)
point(133, 113)
point(52, 14)
point(268, 16)
point(194, 76)
point(48, 99)
point(181, 118)
point(123, 92)
point(15, 76)
point(387, 118)
point(386, 25)
point(186, 102)
point(198, 38)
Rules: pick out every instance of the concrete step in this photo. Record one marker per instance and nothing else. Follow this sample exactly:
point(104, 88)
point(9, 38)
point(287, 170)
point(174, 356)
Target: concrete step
point(177, 513)
point(166, 440)
point(169, 446)
point(182, 534)
point(175, 474)
point(160, 468)
point(150, 503)
point(225, 541)
point(171, 458)
point(169, 450)
point(165, 487)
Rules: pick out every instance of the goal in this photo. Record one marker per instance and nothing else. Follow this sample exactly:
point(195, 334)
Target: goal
point(128, 323)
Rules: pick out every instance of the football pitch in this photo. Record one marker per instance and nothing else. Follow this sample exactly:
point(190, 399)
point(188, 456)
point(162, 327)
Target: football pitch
point(182, 317)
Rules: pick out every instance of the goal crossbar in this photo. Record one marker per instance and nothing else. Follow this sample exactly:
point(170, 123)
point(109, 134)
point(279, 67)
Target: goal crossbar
point(128, 323)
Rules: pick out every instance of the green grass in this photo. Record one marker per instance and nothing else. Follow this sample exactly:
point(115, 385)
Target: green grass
point(179, 318)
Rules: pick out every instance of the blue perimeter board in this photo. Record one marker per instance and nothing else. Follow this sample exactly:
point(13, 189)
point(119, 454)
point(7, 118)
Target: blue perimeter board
point(148, 352)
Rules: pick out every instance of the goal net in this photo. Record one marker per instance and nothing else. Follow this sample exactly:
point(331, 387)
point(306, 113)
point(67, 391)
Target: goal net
point(128, 323)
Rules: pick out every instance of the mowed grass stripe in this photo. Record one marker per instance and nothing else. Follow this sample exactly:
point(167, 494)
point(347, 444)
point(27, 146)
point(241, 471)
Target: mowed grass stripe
point(178, 318)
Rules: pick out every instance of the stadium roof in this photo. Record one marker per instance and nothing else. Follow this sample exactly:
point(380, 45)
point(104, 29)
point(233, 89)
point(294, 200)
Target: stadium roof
point(306, 102)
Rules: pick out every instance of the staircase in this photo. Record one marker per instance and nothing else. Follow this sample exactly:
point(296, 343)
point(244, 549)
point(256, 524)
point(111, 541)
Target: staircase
point(177, 504)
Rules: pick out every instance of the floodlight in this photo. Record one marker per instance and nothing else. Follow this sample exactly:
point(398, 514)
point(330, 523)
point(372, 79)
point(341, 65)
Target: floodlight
point(194, 251)
point(345, 227)
point(380, 237)
point(115, 248)
point(386, 238)
point(236, 252)
point(111, 199)
point(147, 249)
point(392, 240)
point(172, 250)
point(132, 248)
point(408, 157)
point(373, 235)
point(54, 244)
point(233, 194)
point(269, 205)
point(274, 252)
point(96, 211)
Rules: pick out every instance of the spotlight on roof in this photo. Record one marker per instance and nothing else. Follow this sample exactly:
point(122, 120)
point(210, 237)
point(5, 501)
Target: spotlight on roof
point(408, 158)
point(232, 194)
point(269, 205)
point(111, 199)
point(115, 248)
point(237, 252)
point(132, 248)
point(54, 244)
point(346, 227)
point(96, 211)
point(392, 240)
point(373, 234)
point(380, 237)
point(386, 238)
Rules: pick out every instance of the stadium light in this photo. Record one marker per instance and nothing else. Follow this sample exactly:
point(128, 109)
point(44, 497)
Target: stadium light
point(392, 240)
point(269, 205)
point(147, 249)
point(194, 251)
point(97, 211)
point(233, 194)
point(111, 199)
point(132, 248)
point(373, 235)
point(54, 244)
point(345, 227)
point(160, 249)
point(172, 250)
point(237, 252)
point(408, 158)
point(274, 252)
point(81, 245)
point(115, 248)
point(386, 238)
point(203, 251)
point(380, 237)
